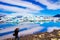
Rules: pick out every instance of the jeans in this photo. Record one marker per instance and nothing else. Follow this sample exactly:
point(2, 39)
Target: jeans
point(16, 38)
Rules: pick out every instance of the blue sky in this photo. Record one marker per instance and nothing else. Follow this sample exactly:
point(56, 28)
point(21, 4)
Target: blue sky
point(33, 7)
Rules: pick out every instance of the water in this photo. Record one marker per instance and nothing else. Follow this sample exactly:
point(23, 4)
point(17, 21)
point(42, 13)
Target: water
point(51, 24)
point(7, 25)
point(46, 25)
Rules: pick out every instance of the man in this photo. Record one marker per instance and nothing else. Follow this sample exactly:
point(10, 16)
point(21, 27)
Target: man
point(16, 33)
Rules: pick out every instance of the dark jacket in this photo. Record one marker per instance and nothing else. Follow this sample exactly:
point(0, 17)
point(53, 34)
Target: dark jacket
point(16, 32)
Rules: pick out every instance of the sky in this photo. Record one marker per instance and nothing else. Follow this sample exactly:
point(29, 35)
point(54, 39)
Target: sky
point(30, 7)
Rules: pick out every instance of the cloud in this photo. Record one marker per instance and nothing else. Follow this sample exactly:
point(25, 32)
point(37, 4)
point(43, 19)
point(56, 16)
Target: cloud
point(31, 8)
point(23, 3)
point(29, 25)
point(30, 31)
point(24, 14)
point(17, 11)
point(14, 9)
point(30, 28)
point(49, 5)
point(50, 29)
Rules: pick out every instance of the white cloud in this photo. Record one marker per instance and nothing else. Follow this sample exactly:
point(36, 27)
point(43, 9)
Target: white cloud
point(31, 28)
point(23, 3)
point(24, 14)
point(28, 25)
point(50, 29)
point(34, 28)
point(49, 5)
point(19, 11)
point(14, 9)
point(30, 31)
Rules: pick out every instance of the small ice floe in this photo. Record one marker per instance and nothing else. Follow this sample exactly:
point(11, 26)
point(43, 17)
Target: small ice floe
point(41, 22)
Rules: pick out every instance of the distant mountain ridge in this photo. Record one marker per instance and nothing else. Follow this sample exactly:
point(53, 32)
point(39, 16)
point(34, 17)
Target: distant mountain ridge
point(58, 15)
